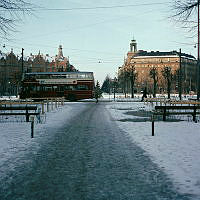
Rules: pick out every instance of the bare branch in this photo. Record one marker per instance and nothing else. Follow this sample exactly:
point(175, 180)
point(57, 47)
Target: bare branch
point(185, 13)
point(11, 13)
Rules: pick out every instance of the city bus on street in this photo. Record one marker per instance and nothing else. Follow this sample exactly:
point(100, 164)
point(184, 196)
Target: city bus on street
point(71, 85)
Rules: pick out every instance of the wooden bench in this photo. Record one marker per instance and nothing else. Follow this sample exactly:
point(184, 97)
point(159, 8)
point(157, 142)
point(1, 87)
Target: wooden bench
point(26, 110)
point(177, 110)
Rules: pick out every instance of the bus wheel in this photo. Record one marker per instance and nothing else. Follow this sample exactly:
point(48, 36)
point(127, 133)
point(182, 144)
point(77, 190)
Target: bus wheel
point(71, 97)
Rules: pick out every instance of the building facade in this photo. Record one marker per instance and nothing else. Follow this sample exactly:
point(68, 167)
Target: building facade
point(11, 68)
point(140, 63)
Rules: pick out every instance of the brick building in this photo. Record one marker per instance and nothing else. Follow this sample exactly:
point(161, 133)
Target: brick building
point(11, 68)
point(46, 63)
point(10, 73)
point(141, 62)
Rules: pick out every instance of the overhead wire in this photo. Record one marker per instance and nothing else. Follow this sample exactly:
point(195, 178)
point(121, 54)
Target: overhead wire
point(102, 7)
point(86, 8)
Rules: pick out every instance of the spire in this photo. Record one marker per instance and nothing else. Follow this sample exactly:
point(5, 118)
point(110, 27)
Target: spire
point(60, 53)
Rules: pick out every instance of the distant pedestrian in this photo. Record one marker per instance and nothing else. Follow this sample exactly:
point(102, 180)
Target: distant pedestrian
point(144, 94)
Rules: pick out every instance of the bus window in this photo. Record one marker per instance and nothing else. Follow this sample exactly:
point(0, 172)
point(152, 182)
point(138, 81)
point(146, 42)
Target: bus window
point(55, 88)
point(70, 87)
point(60, 88)
point(48, 88)
point(82, 87)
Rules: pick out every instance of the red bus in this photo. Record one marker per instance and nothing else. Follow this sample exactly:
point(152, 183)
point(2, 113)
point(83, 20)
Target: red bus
point(71, 85)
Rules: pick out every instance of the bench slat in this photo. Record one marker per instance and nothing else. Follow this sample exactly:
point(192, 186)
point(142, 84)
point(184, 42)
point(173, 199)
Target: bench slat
point(19, 113)
point(19, 108)
point(176, 113)
point(176, 107)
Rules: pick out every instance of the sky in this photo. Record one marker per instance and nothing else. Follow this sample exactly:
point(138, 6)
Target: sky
point(95, 35)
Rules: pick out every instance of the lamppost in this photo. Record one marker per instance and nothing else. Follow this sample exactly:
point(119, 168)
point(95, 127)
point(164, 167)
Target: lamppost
point(180, 76)
point(198, 56)
point(22, 64)
point(115, 82)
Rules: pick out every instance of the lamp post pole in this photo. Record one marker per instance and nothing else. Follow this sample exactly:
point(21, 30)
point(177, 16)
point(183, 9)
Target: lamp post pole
point(198, 56)
point(180, 76)
point(132, 81)
point(115, 84)
point(22, 64)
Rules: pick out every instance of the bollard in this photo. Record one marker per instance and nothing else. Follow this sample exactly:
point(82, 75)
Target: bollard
point(32, 126)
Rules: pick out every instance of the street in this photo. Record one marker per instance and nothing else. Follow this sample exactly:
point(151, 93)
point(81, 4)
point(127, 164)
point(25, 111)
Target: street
point(89, 158)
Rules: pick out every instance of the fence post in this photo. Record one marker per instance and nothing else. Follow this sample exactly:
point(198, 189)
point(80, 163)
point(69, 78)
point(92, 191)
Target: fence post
point(42, 107)
point(47, 105)
point(164, 114)
point(27, 115)
point(51, 104)
point(59, 102)
point(32, 126)
point(194, 115)
point(56, 103)
point(63, 101)
point(152, 119)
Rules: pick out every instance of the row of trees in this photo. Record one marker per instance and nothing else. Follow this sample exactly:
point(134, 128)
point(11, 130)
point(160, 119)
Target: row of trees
point(127, 79)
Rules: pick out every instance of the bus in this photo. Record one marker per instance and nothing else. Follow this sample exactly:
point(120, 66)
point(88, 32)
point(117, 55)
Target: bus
point(71, 85)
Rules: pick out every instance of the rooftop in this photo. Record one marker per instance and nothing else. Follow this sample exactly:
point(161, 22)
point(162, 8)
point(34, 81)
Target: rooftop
point(158, 53)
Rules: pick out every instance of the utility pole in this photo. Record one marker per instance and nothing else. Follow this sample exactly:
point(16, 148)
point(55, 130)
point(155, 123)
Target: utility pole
point(180, 76)
point(198, 70)
point(22, 64)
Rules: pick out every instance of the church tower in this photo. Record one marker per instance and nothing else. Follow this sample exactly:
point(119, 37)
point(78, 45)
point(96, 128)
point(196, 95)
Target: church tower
point(60, 53)
point(133, 45)
point(133, 50)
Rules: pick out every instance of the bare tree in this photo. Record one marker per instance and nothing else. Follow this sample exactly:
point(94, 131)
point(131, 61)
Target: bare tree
point(123, 79)
point(154, 75)
point(167, 74)
point(185, 12)
point(12, 12)
point(133, 75)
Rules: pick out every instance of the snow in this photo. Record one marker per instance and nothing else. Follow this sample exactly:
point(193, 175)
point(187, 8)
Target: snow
point(174, 148)
point(16, 137)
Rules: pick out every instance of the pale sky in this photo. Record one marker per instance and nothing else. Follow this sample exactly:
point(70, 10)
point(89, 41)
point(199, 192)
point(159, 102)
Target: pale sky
point(97, 39)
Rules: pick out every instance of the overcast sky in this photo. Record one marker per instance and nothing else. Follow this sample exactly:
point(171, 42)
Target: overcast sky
point(97, 38)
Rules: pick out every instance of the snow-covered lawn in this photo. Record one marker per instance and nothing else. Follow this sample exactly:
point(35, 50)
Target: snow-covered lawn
point(175, 146)
point(16, 137)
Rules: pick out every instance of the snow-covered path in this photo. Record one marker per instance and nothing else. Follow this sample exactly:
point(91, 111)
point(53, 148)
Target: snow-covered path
point(88, 158)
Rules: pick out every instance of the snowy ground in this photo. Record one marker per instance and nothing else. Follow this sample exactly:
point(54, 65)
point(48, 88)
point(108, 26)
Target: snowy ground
point(175, 146)
point(16, 136)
